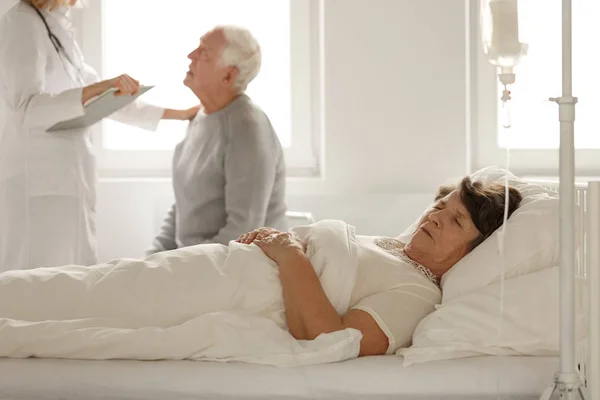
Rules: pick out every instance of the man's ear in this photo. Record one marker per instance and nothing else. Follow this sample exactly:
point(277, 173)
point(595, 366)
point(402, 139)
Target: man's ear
point(230, 77)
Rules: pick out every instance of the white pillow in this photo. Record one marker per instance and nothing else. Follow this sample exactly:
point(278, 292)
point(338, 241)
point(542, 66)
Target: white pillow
point(531, 242)
point(469, 325)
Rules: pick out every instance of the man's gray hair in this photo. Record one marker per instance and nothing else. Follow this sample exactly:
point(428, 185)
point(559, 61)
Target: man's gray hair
point(243, 52)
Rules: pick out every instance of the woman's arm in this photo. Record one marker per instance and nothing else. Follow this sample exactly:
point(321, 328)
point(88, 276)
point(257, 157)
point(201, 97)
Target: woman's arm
point(308, 310)
point(137, 113)
point(310, 313)
point(181, 115)
point(93, 90)
point(147, 116)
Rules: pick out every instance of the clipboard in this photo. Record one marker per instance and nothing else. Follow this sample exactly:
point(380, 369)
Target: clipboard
point(98, 108)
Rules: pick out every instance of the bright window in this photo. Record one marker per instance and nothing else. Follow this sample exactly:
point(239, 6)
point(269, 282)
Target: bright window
point(151, 40)
point(539, 76)
point(534, 136)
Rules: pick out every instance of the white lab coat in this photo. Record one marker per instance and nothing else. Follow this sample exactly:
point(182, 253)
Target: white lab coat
point(47, 180)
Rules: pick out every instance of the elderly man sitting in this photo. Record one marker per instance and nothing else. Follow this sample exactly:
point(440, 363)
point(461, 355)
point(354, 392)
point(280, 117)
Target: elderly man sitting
point(229, 171)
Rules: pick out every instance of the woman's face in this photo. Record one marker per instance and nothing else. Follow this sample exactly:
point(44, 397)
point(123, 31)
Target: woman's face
point(443, 236)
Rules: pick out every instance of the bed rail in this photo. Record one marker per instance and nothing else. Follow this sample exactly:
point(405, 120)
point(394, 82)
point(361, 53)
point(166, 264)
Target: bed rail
point(587, 263)
point(593, 276)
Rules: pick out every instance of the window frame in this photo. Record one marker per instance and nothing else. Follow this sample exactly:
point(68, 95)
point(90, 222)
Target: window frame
point(303, 157)
point(484, 100)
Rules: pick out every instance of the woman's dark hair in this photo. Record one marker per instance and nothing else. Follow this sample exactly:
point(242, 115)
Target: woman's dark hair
point(485, 204)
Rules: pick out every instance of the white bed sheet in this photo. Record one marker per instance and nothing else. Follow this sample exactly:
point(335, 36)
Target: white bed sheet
point(517, 378)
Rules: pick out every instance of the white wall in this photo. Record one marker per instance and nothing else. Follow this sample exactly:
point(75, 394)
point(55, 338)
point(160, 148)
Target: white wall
point(395, 117)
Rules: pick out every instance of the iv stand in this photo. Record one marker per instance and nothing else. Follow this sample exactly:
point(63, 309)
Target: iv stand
point(567, 382)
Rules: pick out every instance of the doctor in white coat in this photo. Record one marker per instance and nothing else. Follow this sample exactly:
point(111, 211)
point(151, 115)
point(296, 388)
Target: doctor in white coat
point(48, 180)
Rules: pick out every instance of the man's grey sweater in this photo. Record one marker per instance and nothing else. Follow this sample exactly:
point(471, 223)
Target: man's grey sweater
point(228, 179)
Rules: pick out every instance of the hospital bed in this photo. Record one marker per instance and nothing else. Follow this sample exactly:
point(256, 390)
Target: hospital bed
point(373, 378)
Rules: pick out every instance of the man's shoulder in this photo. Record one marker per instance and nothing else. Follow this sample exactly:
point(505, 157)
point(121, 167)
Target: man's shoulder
point(248, 119)
point(248, 111)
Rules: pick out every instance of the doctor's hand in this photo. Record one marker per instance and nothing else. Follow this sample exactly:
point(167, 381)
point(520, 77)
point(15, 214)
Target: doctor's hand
point(181, 115)
point(190, 113)
point(125, 85)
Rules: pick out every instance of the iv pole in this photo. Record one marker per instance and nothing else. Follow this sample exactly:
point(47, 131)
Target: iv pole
point(504, 51)
point(567, 384)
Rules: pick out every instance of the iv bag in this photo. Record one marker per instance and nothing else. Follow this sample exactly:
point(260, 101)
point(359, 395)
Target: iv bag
point(500, 33)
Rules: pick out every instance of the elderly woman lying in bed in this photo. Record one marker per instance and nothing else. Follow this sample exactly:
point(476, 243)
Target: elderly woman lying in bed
point(219, 302)
point(396, 284)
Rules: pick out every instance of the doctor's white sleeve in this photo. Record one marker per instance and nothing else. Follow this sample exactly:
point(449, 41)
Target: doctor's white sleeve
point(165, 240)
point(23, 64)
point(138, 113)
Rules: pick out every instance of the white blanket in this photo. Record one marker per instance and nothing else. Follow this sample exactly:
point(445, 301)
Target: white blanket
point(207, 302)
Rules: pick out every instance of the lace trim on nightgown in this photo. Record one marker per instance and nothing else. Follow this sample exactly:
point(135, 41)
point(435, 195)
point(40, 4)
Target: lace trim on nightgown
point(396, 248)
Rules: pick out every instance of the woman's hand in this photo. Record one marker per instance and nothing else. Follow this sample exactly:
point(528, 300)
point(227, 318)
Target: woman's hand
point(125, 85)
point(190, 113)
point(282, 246)
point(257, 234)
point(181, 115)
